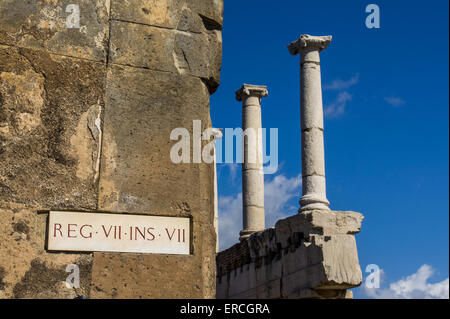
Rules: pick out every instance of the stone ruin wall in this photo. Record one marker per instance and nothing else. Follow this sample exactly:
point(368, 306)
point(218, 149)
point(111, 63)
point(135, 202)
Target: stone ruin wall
point(85, 119)
point(308, 255)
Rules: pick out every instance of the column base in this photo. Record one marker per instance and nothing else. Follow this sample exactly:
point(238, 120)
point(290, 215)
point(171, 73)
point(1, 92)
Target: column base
point(246, 233)
point(313, 202)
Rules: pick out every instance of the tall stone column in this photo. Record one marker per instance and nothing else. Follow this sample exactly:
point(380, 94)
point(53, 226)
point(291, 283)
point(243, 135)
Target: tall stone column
point(313, 157)
point(252, 167)
point(217, 133)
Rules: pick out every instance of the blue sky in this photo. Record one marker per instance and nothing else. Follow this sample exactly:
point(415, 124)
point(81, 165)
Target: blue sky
point(386, 130)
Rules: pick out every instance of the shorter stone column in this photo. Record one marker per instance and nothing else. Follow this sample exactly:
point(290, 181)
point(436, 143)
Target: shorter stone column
point(252, 167)
point(217, 134)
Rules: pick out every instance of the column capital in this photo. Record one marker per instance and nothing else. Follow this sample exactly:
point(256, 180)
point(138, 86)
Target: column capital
point(251, 90)
point(307, 41)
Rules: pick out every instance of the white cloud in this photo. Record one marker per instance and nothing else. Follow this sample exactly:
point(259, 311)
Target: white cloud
point(337, 107)
point(340, 84)
point(394, 101)
point(230, 220)
point(415, 286)
point(277, 193)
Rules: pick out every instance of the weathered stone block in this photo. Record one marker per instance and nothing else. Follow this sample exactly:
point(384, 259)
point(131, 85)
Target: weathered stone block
point(210, 10)
point(184, 15)
point(158, 276)
point(144, 276)
point(138, 176)
point(142, 46)
point(160, 13)
point(41, 25)
point(137, 173)
point(26, 269)
point(168, 50)
point(49, 143)
point(319, 222)
point(309, 255)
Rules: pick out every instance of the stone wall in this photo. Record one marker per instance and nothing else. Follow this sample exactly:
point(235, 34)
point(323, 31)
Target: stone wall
point(85, 119)
point(309, 255)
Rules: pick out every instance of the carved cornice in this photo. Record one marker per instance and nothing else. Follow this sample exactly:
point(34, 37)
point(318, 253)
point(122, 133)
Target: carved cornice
point(251, 90)
point(307, 41)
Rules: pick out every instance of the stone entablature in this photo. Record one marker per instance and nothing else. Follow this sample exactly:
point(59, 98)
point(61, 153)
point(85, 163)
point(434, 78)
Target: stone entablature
point(309, 255)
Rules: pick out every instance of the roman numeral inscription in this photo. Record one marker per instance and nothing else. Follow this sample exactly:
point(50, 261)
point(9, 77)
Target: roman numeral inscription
point(74, 231)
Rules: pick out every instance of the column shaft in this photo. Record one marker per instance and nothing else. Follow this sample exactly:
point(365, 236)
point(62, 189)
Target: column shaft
point(217, 133)
point(252, 167)
point(313, 152)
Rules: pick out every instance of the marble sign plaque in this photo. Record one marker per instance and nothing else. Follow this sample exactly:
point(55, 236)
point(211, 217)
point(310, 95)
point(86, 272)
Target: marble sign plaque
point(76, 231)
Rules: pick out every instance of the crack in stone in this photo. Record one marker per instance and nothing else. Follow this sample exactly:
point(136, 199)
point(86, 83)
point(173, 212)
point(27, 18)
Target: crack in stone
point(53, 53)
point(186, 59)
point(154, 26)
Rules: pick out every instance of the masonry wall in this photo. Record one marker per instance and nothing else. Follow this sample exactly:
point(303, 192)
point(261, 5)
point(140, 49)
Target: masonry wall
point(85, 120)
point(308, 255)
